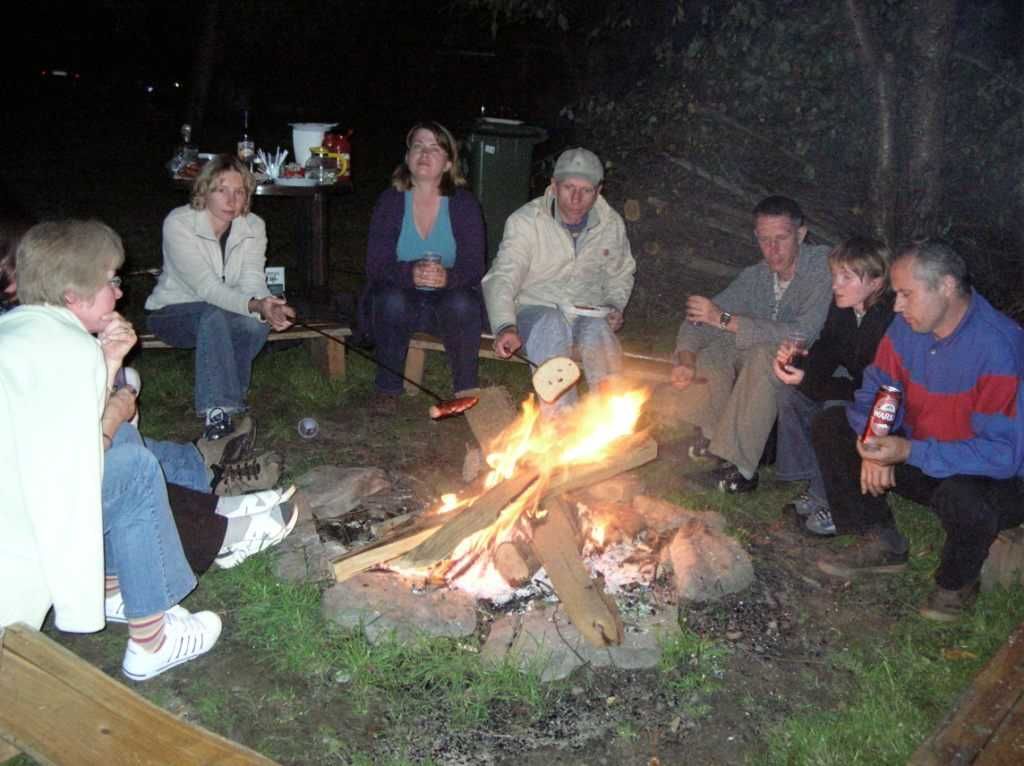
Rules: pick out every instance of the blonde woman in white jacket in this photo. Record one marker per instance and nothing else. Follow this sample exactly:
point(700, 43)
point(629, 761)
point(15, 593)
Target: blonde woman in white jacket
point(212, 292)
point(65, 544)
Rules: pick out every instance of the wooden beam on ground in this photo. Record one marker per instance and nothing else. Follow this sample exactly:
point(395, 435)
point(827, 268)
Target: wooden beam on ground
point(986, 726)
point(60, 710)
point(556, 544)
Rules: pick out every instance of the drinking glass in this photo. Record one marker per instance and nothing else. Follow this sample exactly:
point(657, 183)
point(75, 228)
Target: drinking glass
point(430, 257)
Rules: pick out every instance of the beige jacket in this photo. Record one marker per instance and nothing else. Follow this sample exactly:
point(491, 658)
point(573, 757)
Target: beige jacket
point(53, 387)
point(538, 265)
point(194, 270)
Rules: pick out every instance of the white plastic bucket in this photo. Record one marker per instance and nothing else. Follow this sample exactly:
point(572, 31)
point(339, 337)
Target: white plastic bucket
point(306, 135)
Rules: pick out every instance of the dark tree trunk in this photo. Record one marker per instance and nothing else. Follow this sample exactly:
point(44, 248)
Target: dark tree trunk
point(203, 66)
point(878, 81)
point(931, 49)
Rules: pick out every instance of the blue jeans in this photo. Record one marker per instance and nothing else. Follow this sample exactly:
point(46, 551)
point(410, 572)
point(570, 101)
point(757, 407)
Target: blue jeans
point(454, 315)
point(140, 541)
point(547, 333)
point(181, 463)
point(795, 457)
point(226, 344)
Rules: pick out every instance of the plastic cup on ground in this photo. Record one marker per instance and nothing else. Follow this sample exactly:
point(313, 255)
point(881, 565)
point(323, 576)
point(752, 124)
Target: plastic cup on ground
point(308, 428)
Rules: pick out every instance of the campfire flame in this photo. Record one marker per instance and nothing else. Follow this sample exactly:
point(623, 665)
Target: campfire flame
point(588, 433)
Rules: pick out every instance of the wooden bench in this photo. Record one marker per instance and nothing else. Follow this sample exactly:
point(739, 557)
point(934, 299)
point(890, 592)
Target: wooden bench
point(987, 726)
point(328, 357)
point(57, 708)
point(639, 366)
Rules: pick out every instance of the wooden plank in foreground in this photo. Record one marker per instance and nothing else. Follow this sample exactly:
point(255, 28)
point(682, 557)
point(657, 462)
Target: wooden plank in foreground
point(985, 728)
point(556, 544)
point(60, 710)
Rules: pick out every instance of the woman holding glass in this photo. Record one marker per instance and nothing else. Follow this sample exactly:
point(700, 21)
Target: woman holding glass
point(832, 369)
point(424, 263)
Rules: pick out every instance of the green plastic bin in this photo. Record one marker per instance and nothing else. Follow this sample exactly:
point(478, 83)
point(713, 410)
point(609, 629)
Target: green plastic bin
point(501, 152)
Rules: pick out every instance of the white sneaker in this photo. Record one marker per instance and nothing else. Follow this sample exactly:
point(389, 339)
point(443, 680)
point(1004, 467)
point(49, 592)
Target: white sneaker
point(185, 638)
point(264, 532)
point(253, 503)
point(113, 608)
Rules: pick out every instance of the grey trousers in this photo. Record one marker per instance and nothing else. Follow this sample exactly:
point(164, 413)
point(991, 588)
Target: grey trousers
point(736, 408)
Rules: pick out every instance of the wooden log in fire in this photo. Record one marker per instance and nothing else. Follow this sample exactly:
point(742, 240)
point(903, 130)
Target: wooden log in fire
point(557, 546)
point(516, 562)
point(485, 511)
point(421, 549)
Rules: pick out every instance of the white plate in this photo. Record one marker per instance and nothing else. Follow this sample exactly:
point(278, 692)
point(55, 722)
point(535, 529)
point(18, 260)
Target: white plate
point(295, 182)
point(599, 312)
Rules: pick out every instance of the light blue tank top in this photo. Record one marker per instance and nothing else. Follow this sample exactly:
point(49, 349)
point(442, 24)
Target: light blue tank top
point(411, 246)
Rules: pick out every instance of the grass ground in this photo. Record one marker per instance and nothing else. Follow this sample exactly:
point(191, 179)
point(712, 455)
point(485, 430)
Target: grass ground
point(854, 676)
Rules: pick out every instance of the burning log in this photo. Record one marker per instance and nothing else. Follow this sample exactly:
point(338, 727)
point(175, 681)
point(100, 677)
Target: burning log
point(352, 564)
point(516, 562)
point(485, 511)
point(557, 546)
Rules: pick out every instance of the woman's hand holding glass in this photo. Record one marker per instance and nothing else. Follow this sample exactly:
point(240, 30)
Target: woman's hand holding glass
point(429, 274)
point(795, 345)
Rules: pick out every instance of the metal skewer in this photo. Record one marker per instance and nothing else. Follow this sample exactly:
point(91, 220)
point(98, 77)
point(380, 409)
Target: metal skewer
point(440, 400)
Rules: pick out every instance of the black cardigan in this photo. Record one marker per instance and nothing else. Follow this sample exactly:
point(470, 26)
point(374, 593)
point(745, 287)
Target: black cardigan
point(843, 343)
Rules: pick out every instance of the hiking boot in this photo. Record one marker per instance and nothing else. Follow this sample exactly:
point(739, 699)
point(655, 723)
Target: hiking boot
point(250, 475)
point(237, 445)
point(185, 638)
point(265, 531)
point(949, 605)
point(383, 405)
point(218, 425)
point(804, 505)
point(820, 523)
point(870, 555)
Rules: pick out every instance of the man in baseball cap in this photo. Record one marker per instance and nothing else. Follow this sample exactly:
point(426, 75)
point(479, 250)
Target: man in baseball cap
point(563, 274)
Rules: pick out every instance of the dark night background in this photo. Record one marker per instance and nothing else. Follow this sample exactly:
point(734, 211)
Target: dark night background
point(910, 124)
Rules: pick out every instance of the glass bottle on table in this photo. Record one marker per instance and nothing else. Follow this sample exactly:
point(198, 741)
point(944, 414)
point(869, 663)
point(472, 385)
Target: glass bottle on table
point(246, 146)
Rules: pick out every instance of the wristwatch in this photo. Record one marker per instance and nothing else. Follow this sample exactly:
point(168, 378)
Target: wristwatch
point(724, 319)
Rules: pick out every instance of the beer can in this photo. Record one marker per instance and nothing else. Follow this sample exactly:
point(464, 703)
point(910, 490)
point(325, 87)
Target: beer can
point(883, 412)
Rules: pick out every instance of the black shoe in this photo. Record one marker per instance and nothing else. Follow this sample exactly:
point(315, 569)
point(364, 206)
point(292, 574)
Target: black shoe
point(218, 425)
point(698, 448)
point(731, 481)
point(725, 478)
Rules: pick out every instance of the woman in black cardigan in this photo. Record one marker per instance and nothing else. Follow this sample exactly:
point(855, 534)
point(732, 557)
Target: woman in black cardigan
point(832, 368)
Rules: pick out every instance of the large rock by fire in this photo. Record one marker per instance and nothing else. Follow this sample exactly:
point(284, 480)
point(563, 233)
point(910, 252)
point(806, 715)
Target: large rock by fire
point(384, 603)
point(706, 563)
point(662, 516)
point(333, 490)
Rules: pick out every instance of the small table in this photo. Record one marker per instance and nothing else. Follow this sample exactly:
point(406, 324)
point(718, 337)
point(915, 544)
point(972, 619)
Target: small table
point(314, 240)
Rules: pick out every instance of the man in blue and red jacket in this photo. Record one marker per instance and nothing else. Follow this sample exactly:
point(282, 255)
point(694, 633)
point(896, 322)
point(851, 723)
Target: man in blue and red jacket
point(957, 445)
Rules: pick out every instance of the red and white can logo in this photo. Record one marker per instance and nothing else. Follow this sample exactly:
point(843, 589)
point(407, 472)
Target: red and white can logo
point(883, 412)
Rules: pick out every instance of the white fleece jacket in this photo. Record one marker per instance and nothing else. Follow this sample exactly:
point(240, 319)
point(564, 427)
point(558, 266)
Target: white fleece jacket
point(52, 391)
point(194, 271)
